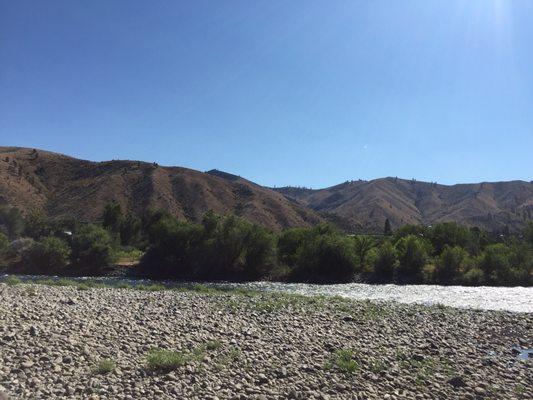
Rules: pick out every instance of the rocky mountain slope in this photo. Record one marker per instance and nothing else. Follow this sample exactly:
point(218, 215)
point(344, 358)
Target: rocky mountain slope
point(64, 186)
point(365, 205)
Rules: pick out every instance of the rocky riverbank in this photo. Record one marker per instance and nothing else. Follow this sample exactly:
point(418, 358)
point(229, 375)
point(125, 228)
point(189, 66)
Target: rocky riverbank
point(98, 343)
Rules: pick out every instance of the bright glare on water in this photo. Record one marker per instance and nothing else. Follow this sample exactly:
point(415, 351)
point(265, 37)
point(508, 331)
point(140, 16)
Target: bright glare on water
point(518, 299)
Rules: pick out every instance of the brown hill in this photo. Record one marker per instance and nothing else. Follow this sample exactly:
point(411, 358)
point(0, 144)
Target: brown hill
point(64, 186)
point(365, 205)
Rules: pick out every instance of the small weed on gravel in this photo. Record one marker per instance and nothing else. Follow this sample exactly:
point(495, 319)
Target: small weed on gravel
point(104, 366)
point(344, 360)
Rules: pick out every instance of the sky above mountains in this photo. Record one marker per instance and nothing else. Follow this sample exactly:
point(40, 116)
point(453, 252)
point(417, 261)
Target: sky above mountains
point(308, 93)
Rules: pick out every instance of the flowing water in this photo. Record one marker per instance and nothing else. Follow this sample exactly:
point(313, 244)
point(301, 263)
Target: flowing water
point(517, 299)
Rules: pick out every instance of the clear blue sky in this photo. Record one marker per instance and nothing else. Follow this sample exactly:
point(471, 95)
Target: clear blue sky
point(281, 92)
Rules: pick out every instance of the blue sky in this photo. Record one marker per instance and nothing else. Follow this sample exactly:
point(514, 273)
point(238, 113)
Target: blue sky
point(308, 93)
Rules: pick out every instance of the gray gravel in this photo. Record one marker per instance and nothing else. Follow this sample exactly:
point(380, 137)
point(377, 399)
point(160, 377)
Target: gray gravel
point(254, 347)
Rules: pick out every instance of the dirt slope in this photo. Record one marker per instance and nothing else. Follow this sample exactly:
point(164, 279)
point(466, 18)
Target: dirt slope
point(65, 186)
point(364, 205)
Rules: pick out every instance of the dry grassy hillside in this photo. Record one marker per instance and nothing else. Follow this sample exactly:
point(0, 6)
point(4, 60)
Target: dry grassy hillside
point(365, 205)
point(64, 186)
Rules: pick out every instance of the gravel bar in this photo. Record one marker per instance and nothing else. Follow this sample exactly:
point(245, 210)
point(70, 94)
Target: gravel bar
point(64, 342)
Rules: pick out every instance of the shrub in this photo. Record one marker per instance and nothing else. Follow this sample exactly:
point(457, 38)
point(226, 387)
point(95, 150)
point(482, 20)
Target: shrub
point(165, 360)
point(46, 255)
point(92, 247)
point(36, 225)
point(362, 246)
point(11, 221)
point(450, 234)
point(344, 360)
point(290, 243)
point(104, 366)
point(450, 264)
point(473, 277)
point(386, 261)
point(4, 242)
point(326, 258)
point(12, 280)
point(413, 254)
point(495, 263)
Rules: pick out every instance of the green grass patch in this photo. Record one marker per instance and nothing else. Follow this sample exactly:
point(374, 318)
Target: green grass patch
point(104, 366)
point(167, 360)
point(344, 360)
point(12, 280)
point(213, 345)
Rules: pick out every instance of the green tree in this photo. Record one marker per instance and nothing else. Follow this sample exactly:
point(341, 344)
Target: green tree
point(290, 245)
point(37, 225)
point(495, 263)
point(326, 258)
point(92, 246)
point(130, 230)
point(112, 217)
point(387, 230)
point(4, 242)
point(413, 254)
point(12, 221)
point(528, 233)
point(386, 261)
point(450, 264)
point(362, 246)
point(452, 235)
point(47, 255)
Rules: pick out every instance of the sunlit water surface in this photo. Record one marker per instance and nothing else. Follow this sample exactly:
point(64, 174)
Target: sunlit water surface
point(517, 299)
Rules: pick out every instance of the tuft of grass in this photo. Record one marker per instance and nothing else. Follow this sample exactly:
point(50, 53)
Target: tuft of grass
point(12, 281)
point(151, 288)
point(232, 355)
point(213, 345)
point(166, 360)
point(124, 285)
point(344, 360)
point(104, 366)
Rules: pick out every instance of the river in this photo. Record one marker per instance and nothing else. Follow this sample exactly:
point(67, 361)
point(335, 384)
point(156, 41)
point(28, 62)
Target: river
point(516, 299)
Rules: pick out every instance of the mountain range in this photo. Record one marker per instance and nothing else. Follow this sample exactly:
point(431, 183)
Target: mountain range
point(63, 186)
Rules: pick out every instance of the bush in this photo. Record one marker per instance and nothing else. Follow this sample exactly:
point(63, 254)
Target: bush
point(386, 261)
point(220, 248)
point(165, 360)
point(11, 221)
point(450, 234)
point(413, 254)
point(327, 257)
point(4, 242)
point(92, 247)
point(363, 244)
point(236, 249)
point(473, 277)
point(47, 255)
point(495, 263)
point(450, 264)
point(104, 366)
point(290, 244)
point(36, 225)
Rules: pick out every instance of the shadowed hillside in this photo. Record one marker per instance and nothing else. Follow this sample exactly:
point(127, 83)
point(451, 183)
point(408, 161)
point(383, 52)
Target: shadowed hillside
point(64, 186)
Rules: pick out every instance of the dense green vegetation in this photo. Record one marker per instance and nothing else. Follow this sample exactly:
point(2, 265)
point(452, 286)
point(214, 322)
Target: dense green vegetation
point(230, 248)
